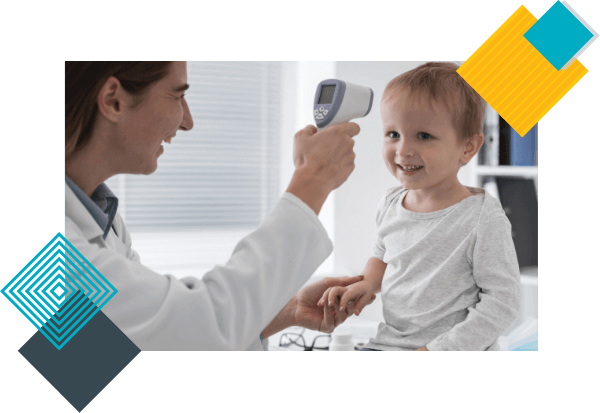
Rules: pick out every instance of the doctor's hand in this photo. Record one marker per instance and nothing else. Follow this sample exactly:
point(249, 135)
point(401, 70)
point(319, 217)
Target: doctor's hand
point(328, 154)
point(310, 315)
point(323, 161)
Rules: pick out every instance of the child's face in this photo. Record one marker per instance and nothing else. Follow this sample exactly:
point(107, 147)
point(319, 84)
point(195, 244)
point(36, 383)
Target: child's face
point(417, 135)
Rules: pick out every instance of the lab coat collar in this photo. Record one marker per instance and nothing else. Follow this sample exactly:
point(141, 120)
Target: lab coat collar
point(77, 212)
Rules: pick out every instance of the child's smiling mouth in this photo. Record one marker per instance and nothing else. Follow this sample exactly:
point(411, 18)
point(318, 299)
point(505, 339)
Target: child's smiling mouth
point(410, 169)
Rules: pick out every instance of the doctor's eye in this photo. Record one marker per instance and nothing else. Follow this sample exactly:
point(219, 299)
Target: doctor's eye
point(182, 96)
point(424, 136)
point(394, 135)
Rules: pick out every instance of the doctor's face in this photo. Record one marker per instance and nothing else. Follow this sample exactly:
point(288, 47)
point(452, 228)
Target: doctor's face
point(161, 112)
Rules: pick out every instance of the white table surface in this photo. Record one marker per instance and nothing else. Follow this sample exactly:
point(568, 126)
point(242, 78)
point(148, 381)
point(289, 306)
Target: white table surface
point(361, 333)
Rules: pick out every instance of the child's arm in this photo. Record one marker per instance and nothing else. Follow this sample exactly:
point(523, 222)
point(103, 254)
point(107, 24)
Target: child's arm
point(373, 273)
point(496, 272)
point(360, 294)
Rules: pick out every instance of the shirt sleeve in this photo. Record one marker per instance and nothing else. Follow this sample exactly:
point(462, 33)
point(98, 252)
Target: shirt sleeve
point(496, 273)
point(378, 245)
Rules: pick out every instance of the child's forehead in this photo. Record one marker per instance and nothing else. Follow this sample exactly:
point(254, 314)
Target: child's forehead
point(417, 100)
point(416, 110)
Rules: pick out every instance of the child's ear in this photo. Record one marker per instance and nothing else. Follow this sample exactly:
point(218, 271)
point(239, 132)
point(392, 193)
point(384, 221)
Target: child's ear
point(471, 147)
point(478, 141)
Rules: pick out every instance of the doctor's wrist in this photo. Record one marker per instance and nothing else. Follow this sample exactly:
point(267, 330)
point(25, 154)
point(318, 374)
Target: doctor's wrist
point(309, 188)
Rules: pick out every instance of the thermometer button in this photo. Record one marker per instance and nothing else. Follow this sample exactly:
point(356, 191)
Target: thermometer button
point(319, 116)
point(316, 112)
point(321, 109)
point(325, 112)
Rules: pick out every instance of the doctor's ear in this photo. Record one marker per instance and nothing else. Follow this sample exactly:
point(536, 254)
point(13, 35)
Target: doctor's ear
point(108, 99)
point(113, 98)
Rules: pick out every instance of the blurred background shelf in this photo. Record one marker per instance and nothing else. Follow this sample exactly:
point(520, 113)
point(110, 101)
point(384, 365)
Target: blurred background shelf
point(479, 173)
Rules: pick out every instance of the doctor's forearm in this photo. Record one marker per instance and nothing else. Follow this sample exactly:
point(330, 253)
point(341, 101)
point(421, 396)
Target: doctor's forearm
point(283, 320)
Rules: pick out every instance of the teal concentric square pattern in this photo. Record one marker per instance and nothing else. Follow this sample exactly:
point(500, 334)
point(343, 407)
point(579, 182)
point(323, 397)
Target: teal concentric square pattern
point(59, 291)
point(558, 35)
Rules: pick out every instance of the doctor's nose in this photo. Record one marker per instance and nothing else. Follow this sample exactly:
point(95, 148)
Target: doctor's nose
point(187, 122)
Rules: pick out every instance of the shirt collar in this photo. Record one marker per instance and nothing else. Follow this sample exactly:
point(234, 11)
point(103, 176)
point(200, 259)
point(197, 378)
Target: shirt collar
point(102, 205)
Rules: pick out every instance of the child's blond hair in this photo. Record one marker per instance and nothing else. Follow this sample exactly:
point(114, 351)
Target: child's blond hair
point(440, 81)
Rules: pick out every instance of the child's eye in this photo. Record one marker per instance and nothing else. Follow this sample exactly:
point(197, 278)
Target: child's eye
point(422, 135)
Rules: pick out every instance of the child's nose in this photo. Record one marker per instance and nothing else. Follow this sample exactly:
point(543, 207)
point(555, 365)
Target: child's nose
point(404, 148)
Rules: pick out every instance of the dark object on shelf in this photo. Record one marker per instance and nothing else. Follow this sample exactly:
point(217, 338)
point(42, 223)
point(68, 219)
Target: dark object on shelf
point(515, 150)
point(505, 132)
point(482, 154)
point(519, 200)
point(488, 153)
point(531, 271)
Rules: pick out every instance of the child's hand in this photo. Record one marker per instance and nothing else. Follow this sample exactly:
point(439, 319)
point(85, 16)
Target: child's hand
point(355, 297)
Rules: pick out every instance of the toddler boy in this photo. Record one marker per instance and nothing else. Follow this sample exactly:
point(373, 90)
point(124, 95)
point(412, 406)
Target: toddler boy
point(452, 280)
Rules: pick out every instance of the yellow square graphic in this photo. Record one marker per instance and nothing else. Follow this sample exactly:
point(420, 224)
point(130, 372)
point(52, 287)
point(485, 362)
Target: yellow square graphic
point(514, 78)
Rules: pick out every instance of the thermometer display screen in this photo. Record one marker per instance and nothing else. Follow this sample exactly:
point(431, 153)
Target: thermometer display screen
point(326, 94)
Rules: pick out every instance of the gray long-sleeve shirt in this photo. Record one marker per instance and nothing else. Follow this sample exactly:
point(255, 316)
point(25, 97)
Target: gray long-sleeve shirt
point(452, 280)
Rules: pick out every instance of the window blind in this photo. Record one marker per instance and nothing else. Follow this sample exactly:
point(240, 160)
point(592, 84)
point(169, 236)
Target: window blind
point(224, 173)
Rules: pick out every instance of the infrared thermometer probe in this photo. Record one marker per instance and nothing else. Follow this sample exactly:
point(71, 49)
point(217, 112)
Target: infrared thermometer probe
point(337, 101)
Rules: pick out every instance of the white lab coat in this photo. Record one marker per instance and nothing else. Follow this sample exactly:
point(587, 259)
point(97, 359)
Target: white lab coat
point(227, 308)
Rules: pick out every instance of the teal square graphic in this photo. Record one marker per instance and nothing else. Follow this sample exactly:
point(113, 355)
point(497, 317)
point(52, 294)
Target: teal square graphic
point(59, 291)
point(62, 293)
point(56, 289)
point(558, 35)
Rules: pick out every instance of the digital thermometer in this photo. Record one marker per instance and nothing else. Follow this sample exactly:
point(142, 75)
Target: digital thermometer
point(337, 101)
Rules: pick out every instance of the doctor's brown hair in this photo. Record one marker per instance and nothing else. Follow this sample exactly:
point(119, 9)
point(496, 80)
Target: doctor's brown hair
point(441, 82)
point(83, 82)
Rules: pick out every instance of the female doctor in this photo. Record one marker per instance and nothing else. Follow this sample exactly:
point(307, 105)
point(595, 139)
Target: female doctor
point(117, 116)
